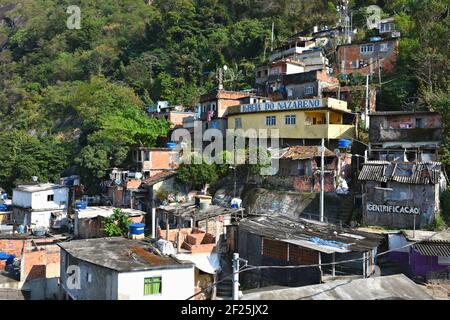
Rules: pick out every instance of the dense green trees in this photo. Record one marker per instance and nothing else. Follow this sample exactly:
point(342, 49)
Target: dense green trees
point(75, 98)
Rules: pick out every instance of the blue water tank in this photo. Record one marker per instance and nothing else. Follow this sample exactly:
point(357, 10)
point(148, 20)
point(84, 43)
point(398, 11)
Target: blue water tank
point(8, 257)
point(80, 205)
point(375, 38)
point(171, 145)
point(21, 229)
point(3, 207)
point(344, 143)
point(137, 228)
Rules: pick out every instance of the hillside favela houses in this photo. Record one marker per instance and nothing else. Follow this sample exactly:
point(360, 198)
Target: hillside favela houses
point(354, 204)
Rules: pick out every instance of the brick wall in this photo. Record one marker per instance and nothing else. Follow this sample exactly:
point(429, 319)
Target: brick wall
point(352, 53)
point(12, 247)
point(302, 183)
point(299, 255)
point(160, 159)
point(274, 249)
point(40, 258)
point(328, 183)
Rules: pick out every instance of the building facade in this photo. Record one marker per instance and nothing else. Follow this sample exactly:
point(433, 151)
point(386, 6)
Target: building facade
point(122, 269)
point(368, 58)
point(297, 121)
point(401, 194)
point(405, 135)
point(40, 205)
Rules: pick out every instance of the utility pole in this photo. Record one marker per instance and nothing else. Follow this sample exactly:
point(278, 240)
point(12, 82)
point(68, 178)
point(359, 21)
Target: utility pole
point(234, 194)
point(272, 39)
point(366, 111)
point(322, 164)
point(236, 261)
point(379, 72)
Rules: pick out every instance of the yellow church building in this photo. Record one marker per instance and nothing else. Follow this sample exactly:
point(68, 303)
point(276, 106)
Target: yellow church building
point(299, 121)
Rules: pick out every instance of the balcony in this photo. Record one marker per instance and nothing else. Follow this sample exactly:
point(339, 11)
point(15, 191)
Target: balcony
point(410, 135)
point(331, 131)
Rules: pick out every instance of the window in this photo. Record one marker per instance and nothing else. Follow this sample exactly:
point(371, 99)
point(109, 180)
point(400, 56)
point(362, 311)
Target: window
point(384, 47)
point(271, 121)
point(355, 64)
point(366, 48)
point(419, 123)
point(50, 197)
point(152, 286)
point(238, 123)
point(308, 90)
point(290, 119)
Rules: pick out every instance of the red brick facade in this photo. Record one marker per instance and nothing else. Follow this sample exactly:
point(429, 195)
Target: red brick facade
point(40, 258)
point(351, 60)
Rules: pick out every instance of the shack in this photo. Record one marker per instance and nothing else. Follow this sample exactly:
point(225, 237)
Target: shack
point(276, 240)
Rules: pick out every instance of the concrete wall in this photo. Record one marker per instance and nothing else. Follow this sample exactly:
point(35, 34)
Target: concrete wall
point(421, 196)
point(176, 284)
point(38, 200)
point(102, 284)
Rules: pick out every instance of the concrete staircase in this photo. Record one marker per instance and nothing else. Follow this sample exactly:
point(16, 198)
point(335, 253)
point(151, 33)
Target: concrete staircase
point(225, 287)
point(347, 204)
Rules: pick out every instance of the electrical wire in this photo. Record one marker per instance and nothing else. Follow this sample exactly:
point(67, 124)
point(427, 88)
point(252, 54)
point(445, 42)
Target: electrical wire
point(251, 267)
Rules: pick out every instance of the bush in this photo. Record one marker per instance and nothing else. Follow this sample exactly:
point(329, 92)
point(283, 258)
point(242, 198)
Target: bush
point(117, 224)
point(438, 224)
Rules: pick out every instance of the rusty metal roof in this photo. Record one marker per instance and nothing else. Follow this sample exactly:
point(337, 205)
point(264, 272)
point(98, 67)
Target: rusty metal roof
point(120, 254)
point(434, 248)
point(402, 172)
point(300, 153)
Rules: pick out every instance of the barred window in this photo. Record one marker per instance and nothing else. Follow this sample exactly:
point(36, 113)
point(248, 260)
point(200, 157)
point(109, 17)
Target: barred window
point(290, 119)
point(152, 286)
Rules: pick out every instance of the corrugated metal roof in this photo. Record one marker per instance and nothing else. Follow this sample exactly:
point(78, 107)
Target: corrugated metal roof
point(433, 249)
point(290, 230)
point(402, 172)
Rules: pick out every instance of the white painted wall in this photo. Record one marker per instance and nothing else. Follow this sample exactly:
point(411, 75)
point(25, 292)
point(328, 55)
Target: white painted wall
point(60, 201)
point(176, 284)
point(293, 68)
point(38, 200)
point(21, 199)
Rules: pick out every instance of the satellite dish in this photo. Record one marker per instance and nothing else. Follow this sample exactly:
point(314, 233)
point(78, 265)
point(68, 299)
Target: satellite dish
point(138, 175)
point(118, 181)
point(337, 151)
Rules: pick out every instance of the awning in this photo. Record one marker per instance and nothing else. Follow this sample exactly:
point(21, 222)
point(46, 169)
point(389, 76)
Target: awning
point(207, 262)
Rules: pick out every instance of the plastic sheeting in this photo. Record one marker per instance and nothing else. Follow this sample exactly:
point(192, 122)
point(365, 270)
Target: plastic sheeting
point(165, 247)
point(207, 262)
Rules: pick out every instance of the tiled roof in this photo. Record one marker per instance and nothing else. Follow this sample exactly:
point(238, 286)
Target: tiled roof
point(161, 176)
point(133, 184)
point(408, 173)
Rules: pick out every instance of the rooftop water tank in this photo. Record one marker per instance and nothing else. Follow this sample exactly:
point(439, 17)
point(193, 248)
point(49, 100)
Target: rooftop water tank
point(375, 38)
point(171, 145)
point(136, 228)
point(80, 205)
point(344, 143)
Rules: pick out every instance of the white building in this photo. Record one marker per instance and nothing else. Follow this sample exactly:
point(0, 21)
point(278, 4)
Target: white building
point(122, 269)
point(40, 205)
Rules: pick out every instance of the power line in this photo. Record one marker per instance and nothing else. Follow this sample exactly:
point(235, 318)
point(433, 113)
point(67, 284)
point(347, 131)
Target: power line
point(250, 267)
